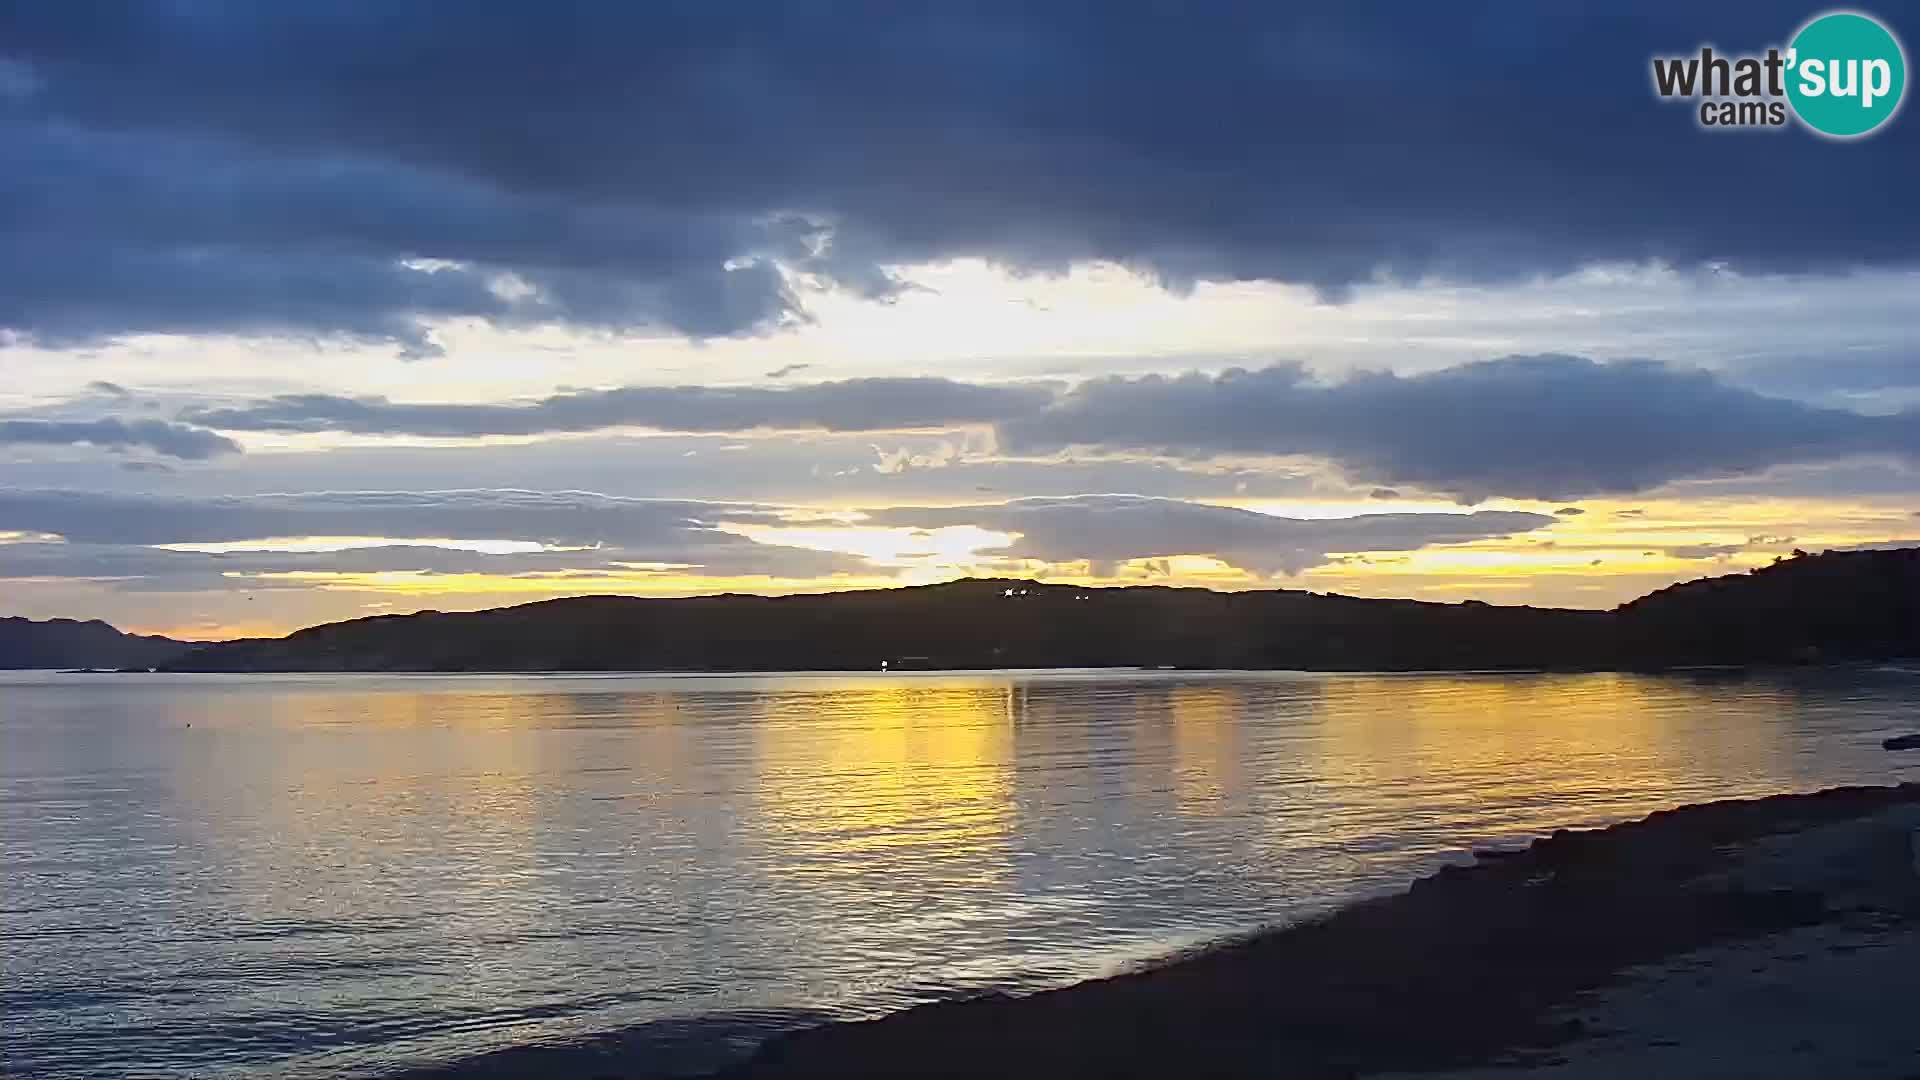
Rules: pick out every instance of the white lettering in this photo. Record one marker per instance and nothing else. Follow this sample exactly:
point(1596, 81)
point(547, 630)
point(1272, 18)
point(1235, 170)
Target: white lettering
point(1878, 80)
point(1851, 84)
point(1813, 77)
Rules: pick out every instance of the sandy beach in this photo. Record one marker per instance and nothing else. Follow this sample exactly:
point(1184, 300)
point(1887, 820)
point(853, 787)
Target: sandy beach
point(1770, 937)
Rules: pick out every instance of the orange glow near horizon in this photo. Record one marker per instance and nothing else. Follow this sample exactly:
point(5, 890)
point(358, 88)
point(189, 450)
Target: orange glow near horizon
point(668, 581)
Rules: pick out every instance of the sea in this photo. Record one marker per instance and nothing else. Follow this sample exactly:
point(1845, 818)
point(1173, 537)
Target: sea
point(375, 875)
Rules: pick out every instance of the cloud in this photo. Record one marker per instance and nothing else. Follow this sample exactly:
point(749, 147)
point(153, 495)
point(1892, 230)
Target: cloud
point(773, 468)
point(138, 568)
point(1545, 427)
point(1879, 545)
point(173, 440)
point(1569, 511)
point(1536, 427)
point(785, 370)
point(118, 535)
point(1115, 528)
point(1851, 371)
point(268, 169)
point(569, 518)
point(1705, 551)
point(879, 404)
point(126, 231)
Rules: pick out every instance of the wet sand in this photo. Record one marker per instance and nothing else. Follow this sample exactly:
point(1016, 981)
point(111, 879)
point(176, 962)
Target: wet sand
point(1764, 937)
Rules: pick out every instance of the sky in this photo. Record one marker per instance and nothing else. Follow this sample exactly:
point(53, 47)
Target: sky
point(312, 312)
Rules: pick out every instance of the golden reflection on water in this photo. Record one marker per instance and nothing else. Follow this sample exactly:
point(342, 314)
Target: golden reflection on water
point(919, 773)
point(454, 857)
point(1522, 753)
point(1207, 749)
point(883, 788)
point(470, 804)
point(914, 774)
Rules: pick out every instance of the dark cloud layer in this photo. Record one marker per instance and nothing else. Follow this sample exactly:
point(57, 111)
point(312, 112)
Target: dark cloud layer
point(161, 437)
point(852, 405)
point(117, 536)
point(116, 231)
point(1108, 529)
point(569, 518)
point(114, 535)
point(356, 168)
point(134, 568)
point(1545, 427)
point(1539, 427)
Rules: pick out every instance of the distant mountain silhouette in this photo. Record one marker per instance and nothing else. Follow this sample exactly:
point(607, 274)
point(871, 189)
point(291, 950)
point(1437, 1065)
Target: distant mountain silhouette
point(64, 643)
point(1859, 605)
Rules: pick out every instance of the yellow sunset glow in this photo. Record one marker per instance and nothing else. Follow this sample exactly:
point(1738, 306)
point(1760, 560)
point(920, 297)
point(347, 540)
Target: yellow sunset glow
point(665, 582)
point(1610, 552)
point(953, 545)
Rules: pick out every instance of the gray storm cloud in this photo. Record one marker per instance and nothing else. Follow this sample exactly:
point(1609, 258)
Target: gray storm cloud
point(562, 518)
point(260, 169)
point(1546, 427)
point(161, 437)
point(1542, 427)
point(877, 404)
point(118, 536)
point(1107, 529)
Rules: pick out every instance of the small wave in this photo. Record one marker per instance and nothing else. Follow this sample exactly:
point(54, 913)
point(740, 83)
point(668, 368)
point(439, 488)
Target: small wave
point(669, 1049)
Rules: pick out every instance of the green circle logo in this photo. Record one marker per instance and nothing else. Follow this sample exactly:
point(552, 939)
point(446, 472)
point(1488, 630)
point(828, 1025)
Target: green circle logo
point(1846, 74)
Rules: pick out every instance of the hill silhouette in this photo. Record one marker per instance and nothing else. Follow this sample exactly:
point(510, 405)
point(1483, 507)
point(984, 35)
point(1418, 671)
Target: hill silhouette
point(1853, 605)
point(64, 643)
point(1838, 605)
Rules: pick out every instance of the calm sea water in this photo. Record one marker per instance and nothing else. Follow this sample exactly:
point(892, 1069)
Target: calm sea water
point(328, 875)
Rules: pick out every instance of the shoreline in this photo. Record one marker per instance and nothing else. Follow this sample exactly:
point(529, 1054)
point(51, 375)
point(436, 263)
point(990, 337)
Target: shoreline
point(1474, 966)
point(1644, 946)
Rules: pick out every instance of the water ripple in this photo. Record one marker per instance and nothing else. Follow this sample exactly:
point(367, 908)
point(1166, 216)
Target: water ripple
point(533, 876)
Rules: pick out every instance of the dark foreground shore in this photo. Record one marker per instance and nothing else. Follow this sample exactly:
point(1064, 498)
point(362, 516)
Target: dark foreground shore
point(1701, 925)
